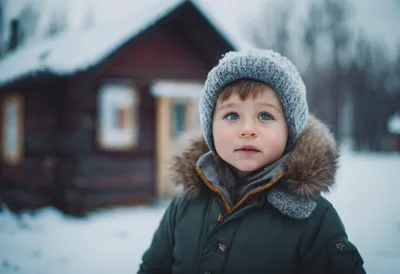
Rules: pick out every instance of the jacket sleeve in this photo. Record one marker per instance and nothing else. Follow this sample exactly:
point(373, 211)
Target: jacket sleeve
point(327, 249)
point(159, 258)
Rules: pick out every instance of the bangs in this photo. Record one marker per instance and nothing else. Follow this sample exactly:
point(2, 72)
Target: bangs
point(243, 88)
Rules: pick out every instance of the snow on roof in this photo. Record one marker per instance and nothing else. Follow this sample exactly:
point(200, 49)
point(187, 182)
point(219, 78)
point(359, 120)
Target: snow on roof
point(229, 31)
point(394, 124)
point(74, 51)
point(77, 50)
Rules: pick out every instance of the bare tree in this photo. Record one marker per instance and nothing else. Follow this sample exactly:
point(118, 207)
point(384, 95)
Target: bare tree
point(361, 80)
point(327, 21)
point(282, 33)
point(337, 15)
point(272, 30)
point(373, 78)
point(396, 73)
point(2, 38)
point(314, 28)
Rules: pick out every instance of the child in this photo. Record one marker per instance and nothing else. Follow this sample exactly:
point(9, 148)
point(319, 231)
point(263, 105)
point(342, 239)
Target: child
point(252, 184)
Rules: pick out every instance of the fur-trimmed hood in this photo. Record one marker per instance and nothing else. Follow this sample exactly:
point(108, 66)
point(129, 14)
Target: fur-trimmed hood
point(310, 169)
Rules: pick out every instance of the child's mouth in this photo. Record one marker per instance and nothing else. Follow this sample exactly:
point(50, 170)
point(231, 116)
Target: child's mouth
point(248, 150)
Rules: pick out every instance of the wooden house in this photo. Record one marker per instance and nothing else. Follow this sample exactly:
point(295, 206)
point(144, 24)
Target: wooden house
point(89, 118)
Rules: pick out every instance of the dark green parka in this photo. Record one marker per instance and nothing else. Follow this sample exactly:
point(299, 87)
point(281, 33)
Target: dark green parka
point(282, 227)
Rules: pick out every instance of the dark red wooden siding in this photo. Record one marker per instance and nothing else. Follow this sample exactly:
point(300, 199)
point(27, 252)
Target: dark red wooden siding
point(41, 113)
point(158, 53)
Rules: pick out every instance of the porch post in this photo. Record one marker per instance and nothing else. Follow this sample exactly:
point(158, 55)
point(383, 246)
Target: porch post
point(163, 143)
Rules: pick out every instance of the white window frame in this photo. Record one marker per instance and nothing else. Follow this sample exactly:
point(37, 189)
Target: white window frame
point(118, 116)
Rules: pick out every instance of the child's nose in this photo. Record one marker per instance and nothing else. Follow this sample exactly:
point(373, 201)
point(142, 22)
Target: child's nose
point(248, 130)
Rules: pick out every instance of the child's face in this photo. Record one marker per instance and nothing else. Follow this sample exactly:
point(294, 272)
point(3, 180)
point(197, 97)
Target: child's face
point(252, 133)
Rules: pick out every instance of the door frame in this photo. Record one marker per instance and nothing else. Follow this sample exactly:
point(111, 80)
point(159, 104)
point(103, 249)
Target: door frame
point(166, 92)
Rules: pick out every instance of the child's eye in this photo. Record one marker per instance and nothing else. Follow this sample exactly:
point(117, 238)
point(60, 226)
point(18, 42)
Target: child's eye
point(232, 116)
point(265, 116)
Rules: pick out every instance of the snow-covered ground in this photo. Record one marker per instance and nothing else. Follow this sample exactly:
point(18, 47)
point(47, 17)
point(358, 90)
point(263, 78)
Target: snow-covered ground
point(112, 241)
point(367, 197)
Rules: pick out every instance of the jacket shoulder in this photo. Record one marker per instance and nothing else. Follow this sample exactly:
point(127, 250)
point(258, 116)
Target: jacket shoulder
point(325, 247)
point(323, 209)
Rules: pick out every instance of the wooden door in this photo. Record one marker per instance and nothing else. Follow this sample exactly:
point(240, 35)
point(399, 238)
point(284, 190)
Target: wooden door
point(175, 115)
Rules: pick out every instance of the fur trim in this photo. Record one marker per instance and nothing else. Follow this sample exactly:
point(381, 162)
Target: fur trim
point(310, 171)
point(313, 163)
point(183, 164)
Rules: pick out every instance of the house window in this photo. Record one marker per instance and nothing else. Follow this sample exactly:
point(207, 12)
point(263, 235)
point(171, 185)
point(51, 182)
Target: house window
point(178, 118)
point(118, 128)
point(13, 120)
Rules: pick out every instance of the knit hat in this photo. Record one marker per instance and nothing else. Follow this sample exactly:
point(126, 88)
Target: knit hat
point(261, 65)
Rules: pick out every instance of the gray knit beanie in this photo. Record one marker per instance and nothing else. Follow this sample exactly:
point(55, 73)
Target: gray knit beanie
point(261, 65)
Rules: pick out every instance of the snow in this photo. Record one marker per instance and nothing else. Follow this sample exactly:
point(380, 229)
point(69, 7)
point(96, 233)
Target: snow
point(74, 51)
point(48, 242)
point(113, 240)
point(366, 197)
point(228, 28)
point(177, 89)
point(394, 124)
